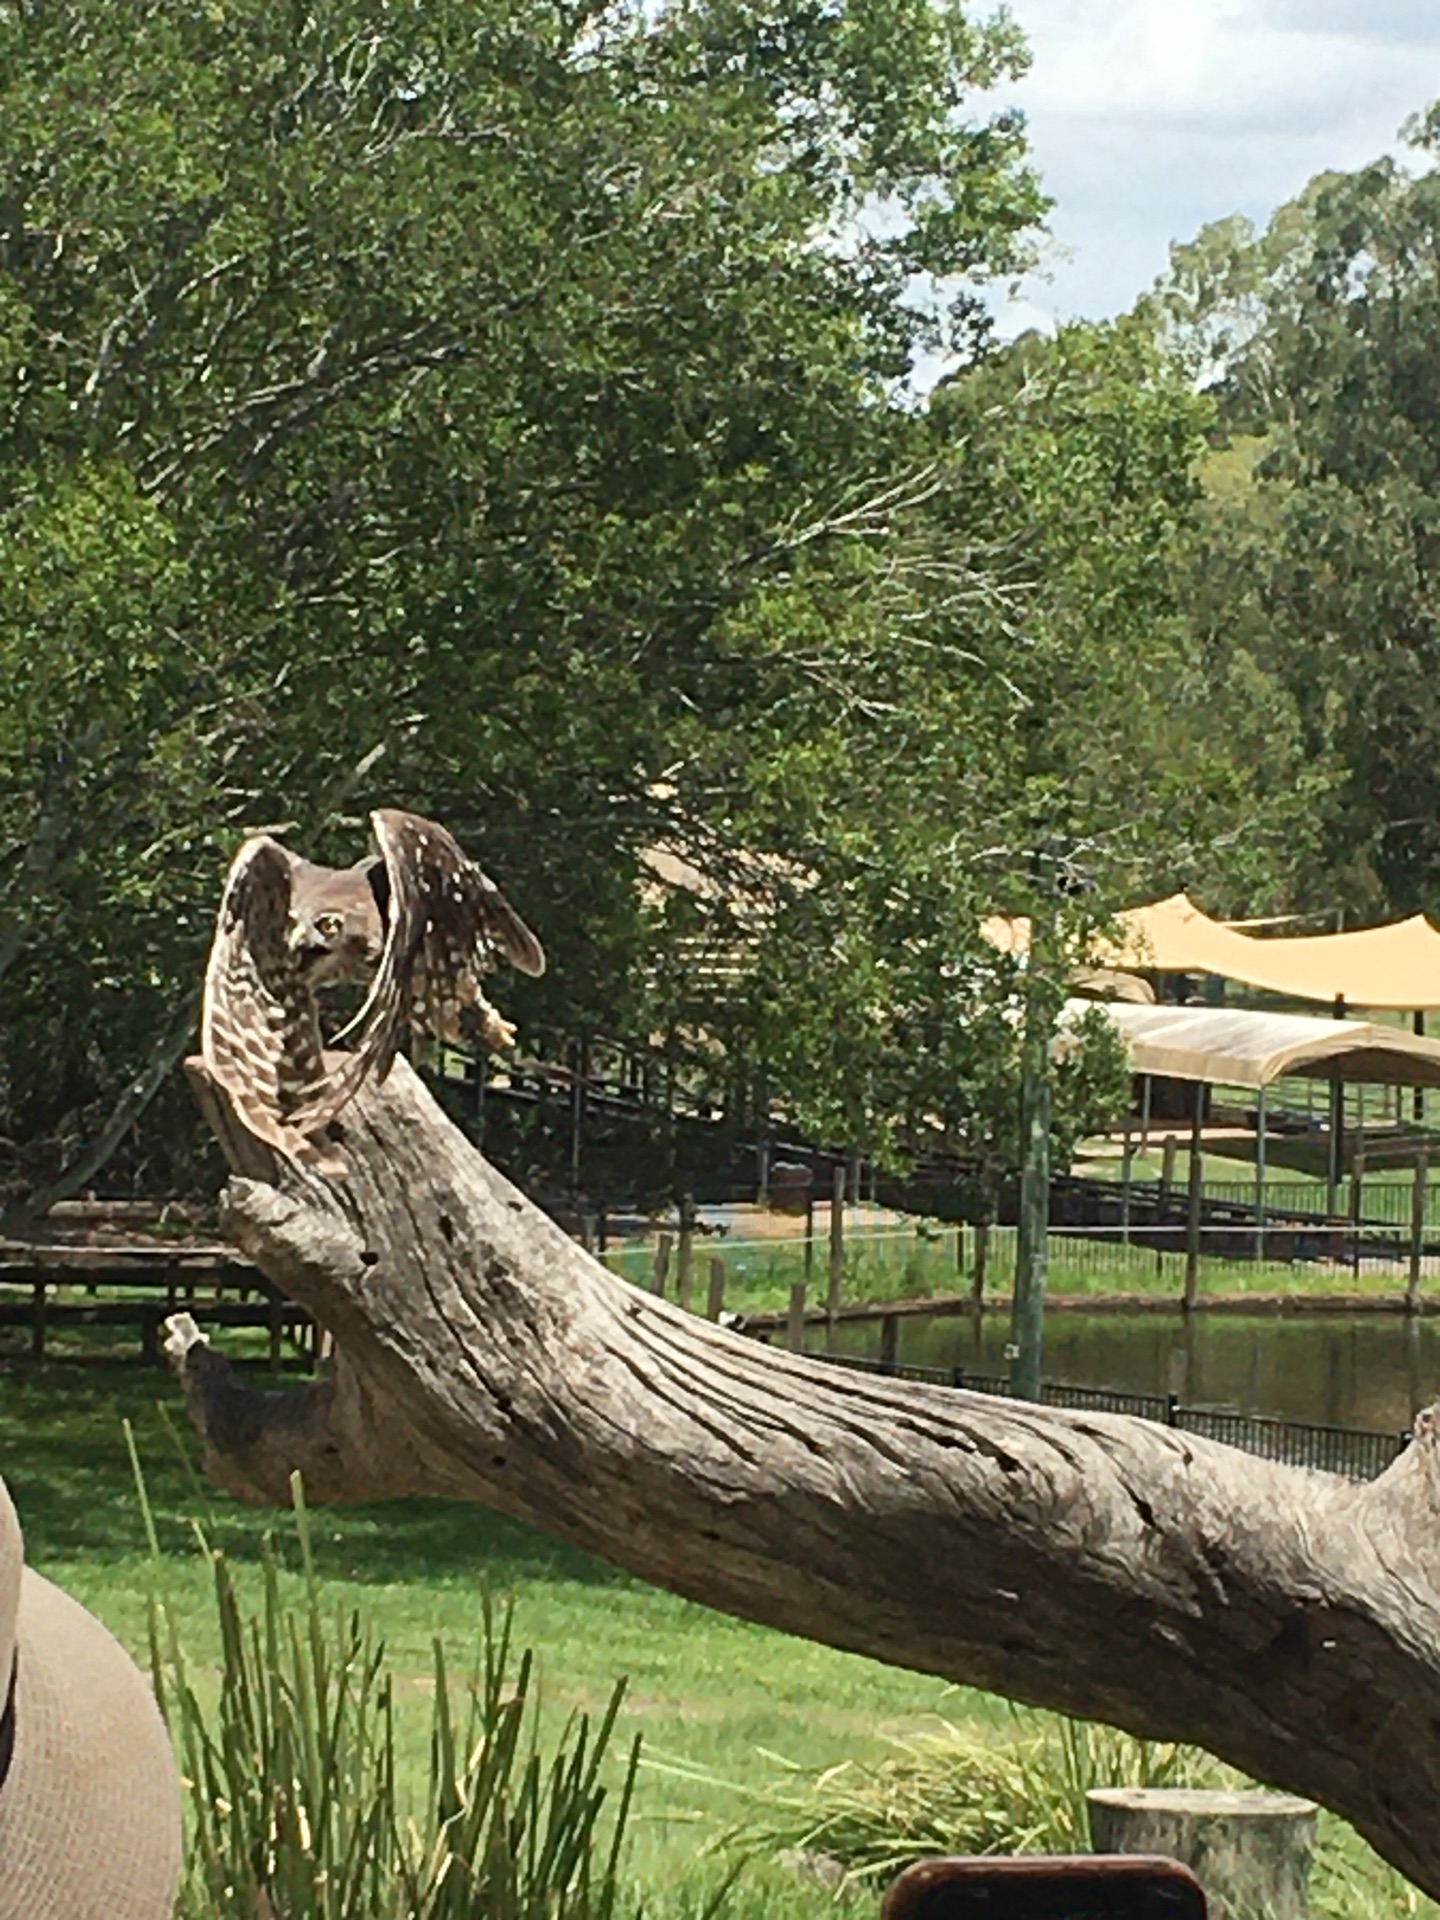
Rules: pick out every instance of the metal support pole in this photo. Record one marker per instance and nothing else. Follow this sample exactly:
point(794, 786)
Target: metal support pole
point(1336, 1165)
point(1192, 1204)
point(1419, 1101)
point(795, 1318)
point(715, 1298)
point(659, 1273)
point(1260, 1174)
point(1145, 1096)
point(837, 1244)
point(1417, 1232)
point(1126, 1163)
point(685, 1264)
point(1357, 1206)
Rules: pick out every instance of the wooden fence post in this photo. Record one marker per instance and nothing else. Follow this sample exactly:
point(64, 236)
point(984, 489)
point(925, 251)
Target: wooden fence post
point(715, 1298)
point(1417, 1231)
point(982, 1260)
point(685, 1264)
point(889, 1341)
point(762, 1174)
point(795, 1319)
point(837, 1244)
point(1192, 1227)
point(660, 1271)
point(810, 1229)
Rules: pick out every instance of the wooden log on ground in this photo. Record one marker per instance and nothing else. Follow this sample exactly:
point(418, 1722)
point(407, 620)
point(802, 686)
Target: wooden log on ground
point(1251, 1852)
point(1103, 1566)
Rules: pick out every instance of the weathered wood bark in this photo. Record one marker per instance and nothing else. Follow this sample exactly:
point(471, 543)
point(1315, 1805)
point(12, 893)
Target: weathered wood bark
point(1102, 1565)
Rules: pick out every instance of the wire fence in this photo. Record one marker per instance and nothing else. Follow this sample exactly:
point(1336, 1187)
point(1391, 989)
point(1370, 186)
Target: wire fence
point(1233, 1256)
point(1356, 1453)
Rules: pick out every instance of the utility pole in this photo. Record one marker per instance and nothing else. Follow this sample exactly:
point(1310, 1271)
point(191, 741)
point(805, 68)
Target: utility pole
point(1032, 1236)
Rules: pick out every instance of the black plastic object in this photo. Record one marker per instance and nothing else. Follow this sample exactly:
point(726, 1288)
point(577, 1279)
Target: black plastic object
point(1091, 1886)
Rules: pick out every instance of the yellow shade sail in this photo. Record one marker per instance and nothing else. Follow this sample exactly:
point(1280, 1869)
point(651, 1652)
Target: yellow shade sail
point(1396, 967)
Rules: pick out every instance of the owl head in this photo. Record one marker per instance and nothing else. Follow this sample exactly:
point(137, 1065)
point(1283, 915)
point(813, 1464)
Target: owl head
point(336, 929)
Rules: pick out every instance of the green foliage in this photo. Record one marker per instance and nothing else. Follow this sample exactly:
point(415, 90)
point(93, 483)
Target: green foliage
point(1318, 564)
point(448, 382)
point(296, 1806)
point(502, 411)
point(952, 1790)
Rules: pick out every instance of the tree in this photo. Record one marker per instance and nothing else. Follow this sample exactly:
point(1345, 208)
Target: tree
point(442, 380)
point(1284, 1619)
point(1318, 338)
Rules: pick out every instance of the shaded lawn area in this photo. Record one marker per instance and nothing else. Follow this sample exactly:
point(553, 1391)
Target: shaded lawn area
point(703, 1688)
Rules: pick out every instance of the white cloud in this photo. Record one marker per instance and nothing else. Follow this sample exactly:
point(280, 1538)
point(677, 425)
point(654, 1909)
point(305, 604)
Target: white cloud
point(1149, 118)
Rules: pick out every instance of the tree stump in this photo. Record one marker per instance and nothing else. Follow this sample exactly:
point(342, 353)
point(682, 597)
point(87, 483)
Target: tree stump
point(1251, 1851)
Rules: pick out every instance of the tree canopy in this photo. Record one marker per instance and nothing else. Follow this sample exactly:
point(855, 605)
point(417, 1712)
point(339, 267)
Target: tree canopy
point(505, 412)
point(1318, 340)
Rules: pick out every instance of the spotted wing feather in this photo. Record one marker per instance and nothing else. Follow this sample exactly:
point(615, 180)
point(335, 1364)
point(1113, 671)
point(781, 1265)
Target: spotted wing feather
point(259, 1033)
point(446, 924)
point(259, 1026)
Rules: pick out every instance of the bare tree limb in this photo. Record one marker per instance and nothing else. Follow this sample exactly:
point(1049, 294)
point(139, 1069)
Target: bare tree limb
point(1112, 1568)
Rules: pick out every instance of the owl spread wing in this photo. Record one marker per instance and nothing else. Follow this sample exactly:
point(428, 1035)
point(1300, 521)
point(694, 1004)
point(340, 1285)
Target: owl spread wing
point(259, 1026)
point(259, 1033)
point(446, 924)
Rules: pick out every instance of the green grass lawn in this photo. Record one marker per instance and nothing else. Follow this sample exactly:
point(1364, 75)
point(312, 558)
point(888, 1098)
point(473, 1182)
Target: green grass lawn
point(921, 1263)
point(704, 1690)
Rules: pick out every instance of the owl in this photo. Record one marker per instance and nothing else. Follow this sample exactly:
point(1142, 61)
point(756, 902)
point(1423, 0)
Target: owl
point(418, 923)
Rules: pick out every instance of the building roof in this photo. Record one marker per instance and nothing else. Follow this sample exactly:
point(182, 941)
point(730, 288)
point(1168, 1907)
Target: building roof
point(1235, 1047)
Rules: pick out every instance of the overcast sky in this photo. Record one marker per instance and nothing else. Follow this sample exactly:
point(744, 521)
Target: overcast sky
point(1150, 117)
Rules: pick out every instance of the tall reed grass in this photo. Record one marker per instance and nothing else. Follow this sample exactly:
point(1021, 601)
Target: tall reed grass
point(296, 1807)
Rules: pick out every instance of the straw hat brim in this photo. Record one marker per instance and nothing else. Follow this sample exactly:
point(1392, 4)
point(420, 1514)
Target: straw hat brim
point(90, 1811)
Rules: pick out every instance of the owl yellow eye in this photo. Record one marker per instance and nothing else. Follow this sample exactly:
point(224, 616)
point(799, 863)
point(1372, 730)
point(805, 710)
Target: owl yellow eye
point(329, 926)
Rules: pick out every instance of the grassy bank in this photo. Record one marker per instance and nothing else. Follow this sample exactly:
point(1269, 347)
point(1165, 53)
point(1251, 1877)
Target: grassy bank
point(712, 1697)
point(922, 1261)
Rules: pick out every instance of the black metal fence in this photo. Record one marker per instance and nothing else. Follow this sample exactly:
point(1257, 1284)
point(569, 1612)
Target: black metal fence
point(1375, 1228)
point(1358, 1453)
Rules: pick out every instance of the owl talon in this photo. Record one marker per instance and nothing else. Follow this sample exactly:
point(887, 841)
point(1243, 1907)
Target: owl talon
point(497, 1033)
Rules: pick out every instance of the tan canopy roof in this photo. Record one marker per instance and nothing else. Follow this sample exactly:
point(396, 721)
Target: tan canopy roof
point(1393, 967)
point(1235, 1047)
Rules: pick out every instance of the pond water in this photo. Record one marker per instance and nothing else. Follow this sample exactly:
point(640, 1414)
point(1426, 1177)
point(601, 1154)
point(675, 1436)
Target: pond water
point(1349, 1370)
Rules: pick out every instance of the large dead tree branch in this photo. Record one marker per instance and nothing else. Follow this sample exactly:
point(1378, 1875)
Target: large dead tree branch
point(1105, 1566)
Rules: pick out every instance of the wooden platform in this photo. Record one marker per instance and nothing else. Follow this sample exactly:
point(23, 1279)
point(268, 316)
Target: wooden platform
point(95, 1249)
